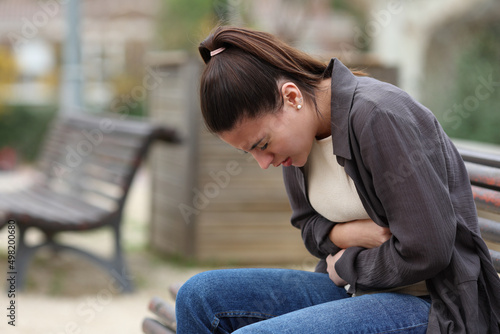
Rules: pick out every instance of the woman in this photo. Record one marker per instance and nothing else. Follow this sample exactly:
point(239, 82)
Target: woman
point(378, 190)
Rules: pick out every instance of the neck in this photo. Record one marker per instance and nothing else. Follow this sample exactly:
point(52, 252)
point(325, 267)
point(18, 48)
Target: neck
point(323, 99)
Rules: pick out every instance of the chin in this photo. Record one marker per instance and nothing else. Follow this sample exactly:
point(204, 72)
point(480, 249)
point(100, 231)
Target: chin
point(299, 164)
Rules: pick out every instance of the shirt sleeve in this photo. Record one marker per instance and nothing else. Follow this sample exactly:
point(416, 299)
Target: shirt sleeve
point(403, 152)
point(315, 228)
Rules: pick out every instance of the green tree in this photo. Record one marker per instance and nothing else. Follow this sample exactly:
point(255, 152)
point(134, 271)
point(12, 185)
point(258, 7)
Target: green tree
point(183, 23)
point(475, 95)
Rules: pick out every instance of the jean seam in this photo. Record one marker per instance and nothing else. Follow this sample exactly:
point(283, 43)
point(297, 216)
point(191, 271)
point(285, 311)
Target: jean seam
point(214, 324)
point(399, 329)
point(244, 314)
point(233, 314)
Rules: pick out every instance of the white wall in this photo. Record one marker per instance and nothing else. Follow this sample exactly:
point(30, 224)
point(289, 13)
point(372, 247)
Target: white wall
point(401, 29)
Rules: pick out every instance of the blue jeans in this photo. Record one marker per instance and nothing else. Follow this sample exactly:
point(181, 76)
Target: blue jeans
point(290, 301)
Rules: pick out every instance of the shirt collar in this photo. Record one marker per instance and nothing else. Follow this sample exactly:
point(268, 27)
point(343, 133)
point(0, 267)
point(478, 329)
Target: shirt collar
point(344, 84)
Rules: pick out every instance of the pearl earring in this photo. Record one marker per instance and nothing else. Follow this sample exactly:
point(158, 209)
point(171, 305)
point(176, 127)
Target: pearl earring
point(299, 106)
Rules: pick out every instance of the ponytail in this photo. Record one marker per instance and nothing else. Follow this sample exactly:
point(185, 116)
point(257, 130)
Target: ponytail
point(241, 78)
point(267, 48)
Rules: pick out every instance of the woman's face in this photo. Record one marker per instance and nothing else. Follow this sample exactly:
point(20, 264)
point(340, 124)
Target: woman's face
point(283, 138)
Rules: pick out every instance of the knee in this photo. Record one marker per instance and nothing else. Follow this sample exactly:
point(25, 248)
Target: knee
point(195, 294)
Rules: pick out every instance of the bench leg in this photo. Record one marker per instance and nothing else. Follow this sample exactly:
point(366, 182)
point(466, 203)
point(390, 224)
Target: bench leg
point(24, 255)
point(116, 267)
point(120, 271)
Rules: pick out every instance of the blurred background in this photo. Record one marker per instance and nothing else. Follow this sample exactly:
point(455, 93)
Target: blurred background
point(139, 58)
point(440, 51)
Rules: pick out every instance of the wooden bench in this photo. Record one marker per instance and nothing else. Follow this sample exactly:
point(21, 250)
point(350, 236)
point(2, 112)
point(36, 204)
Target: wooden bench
point(484, 174)
point(88, 163)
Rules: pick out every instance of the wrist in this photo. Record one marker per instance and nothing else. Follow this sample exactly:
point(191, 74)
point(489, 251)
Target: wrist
point(344, 266)
point(340, 237)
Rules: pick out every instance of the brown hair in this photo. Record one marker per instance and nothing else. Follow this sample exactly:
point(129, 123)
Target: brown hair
point(242, 81)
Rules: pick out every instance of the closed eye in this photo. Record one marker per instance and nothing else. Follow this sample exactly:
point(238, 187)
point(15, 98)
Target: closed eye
point(264, 147)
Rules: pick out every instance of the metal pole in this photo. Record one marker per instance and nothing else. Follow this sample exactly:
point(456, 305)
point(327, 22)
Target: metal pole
point(71, 80)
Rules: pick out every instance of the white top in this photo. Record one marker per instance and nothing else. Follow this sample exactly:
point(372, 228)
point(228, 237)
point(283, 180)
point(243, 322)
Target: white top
point(333, 195)
point(331, 191)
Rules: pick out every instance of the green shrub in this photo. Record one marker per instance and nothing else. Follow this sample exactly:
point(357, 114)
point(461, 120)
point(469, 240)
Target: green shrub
point(23, 127)
point(473, 111)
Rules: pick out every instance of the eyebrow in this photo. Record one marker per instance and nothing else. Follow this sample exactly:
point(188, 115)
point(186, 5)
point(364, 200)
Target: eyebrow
point(256, 144)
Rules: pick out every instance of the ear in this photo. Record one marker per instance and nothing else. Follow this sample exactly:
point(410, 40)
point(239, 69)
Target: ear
point(291, 95)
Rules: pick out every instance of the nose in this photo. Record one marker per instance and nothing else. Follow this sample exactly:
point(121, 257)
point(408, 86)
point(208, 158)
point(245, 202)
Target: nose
point(263, 159)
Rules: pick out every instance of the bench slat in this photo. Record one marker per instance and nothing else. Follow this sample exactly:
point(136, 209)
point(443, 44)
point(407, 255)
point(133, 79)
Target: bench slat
point(116, 153)
point(37, 210)
point(103, 174)
point(92, 212)
point(57, 211)
point(490, 229)
point(483, 175)
point(153, 326)
point(55, 208)
point(495, 257)
point(112, 124)
point(81, 137)
point(105, 191)
point(111, 167)
point(481, 158)
point(486, 199)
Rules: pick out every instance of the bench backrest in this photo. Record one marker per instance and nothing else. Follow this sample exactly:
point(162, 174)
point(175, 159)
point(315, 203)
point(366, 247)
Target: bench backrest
point(95, 158)
point(484, 174)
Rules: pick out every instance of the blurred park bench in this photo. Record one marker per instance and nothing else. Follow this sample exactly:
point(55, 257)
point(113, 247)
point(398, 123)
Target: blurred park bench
point(88, 163)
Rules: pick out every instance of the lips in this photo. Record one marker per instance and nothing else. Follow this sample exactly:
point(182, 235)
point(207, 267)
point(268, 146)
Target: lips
point(287, 162)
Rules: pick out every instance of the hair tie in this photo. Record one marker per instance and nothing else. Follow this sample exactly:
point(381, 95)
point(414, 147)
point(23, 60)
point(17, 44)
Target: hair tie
point(217, 51)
